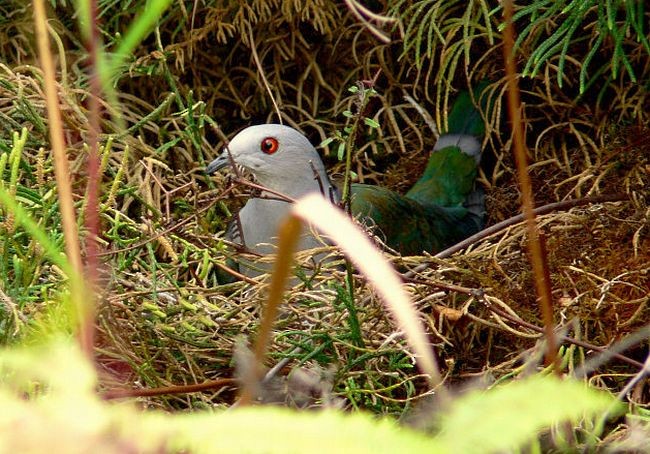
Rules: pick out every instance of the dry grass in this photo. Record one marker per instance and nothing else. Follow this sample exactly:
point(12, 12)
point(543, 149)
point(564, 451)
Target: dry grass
point(164, 320)
point(599, 269)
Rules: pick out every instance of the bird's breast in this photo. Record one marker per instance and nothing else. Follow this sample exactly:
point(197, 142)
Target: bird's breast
point(259, 221)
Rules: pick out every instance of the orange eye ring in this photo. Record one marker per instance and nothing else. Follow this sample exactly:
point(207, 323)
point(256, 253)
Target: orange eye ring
point(269, 145)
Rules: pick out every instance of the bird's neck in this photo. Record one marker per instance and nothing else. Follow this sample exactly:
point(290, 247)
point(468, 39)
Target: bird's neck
point(300, 183)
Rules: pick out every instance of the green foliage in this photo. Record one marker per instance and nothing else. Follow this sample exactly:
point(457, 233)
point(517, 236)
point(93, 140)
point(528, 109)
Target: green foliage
point(173, 322)
point(341, 138)
point(346, 137)
point(437, 33)
point(61, 386)
point(614, 28)
point(434, 27)
point(343, 295)
point(30, 237)
point(138, 30)
point(506, 417)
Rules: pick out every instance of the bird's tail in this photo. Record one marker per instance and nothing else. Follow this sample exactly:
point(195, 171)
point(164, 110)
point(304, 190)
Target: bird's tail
point(449, 179)
point(466, 127)
point(464, 118)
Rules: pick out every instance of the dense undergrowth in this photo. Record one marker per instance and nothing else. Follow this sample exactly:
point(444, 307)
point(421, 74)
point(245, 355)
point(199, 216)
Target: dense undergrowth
point(210, 68)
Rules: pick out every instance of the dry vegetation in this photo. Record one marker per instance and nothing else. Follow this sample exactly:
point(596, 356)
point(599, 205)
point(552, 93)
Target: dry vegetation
point(165, 320)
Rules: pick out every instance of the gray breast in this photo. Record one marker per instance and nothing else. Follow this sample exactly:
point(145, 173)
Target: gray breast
point(257, 230)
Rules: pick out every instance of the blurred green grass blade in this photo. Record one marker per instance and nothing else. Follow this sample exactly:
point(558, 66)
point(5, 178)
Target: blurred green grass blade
point(505, 417)
point(83, 13)
point(139, 29)
point(132, 38)
point(66, 384)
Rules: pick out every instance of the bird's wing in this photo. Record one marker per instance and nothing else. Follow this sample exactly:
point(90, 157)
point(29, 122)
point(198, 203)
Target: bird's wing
point(407, 226)
point(464, 117)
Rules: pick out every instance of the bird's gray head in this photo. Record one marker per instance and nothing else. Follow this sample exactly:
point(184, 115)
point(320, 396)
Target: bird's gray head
point(280, 157)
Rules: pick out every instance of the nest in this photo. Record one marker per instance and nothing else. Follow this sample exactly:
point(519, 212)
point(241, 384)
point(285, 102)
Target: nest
point(480, 307)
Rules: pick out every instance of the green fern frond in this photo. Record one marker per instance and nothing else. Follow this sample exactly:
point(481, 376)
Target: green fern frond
point(432, 26)
point(620, 20)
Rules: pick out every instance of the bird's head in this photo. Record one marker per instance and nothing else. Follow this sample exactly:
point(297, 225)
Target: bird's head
point(279, 157)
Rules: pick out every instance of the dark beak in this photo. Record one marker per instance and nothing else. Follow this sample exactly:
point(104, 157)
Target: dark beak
point(222, 161)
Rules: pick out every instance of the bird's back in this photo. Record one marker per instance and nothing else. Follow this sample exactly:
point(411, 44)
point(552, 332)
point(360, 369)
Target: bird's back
point(444, 206)
point(407, 226)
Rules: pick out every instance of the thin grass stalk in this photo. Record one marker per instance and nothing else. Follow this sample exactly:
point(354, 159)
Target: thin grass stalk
point(346, 197)
point(289, 233)
point(68, 217)
point(315, 210)
point(92, 206)
point(538, 258)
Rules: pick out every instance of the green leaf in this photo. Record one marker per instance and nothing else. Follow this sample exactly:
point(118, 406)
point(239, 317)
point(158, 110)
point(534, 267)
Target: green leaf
point(340, 152)
point(503, 418)
point(278, 430)
point(326, 142)
point(497, 420)
point(347, 113)
point(370, 122)
point(353, 89)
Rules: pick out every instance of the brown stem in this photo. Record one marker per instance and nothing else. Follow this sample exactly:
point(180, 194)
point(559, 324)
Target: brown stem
point(182, 389)
point(288, 236)
point(536, 248)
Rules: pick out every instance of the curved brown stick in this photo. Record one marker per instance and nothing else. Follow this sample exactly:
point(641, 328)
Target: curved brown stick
point(182, 389)
point(605, 353)
point(571, 340)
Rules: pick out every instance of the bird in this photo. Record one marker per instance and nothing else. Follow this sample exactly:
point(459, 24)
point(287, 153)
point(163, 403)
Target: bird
point(282, 160)
point(442, 208)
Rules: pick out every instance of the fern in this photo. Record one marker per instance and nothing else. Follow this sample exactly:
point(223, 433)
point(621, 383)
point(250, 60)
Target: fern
point(619, 22)
point(432, 23)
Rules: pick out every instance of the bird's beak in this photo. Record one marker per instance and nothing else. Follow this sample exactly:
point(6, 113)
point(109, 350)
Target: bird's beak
point(222, 161)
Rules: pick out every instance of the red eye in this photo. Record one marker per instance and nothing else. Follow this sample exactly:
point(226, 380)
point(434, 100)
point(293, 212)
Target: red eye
point(269, 145)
